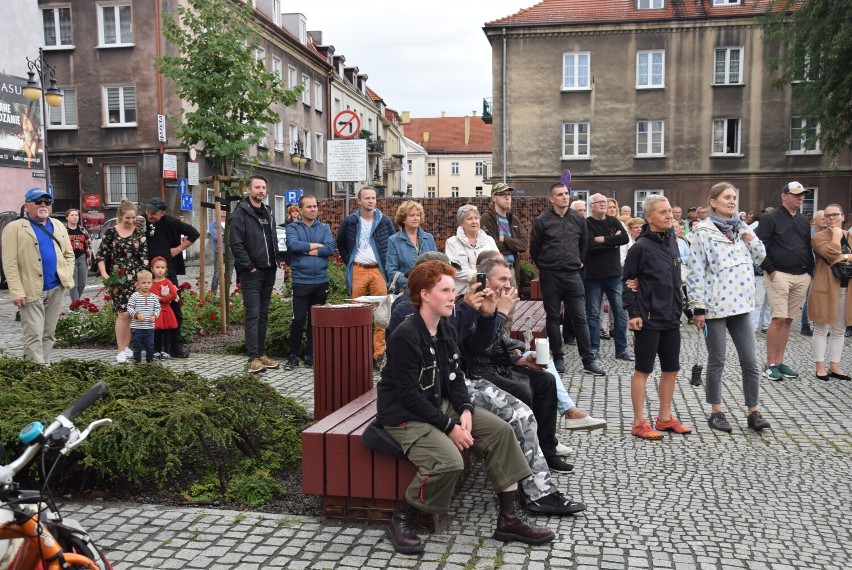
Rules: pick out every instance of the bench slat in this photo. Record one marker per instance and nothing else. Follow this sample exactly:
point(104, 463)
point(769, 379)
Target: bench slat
point(339, 450)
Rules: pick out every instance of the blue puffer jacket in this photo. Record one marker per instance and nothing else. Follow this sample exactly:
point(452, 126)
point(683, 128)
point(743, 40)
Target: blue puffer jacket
point(402, 254)
point(347, 241)
point(309, 269)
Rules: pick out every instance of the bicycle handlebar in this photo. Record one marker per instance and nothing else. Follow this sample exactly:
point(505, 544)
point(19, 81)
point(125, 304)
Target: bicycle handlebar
point(83, 402)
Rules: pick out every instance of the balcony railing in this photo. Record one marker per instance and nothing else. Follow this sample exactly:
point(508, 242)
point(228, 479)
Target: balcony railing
point(392, 164)
point(376, 146)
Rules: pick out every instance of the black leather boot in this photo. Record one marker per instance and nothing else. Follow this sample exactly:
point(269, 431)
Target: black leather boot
point(512, 523)
point(402, 530)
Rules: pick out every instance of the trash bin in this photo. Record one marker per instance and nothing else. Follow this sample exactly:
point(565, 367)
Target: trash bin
point(343, 355)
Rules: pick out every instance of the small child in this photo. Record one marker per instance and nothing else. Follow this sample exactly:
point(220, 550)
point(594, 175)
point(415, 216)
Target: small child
point(166, 329)
point(143, 308)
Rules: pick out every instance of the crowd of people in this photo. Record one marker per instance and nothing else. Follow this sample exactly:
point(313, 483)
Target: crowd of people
point(452, 378)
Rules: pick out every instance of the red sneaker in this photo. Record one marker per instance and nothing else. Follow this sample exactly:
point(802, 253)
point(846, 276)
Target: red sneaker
point(672, 425)
point(644, 431)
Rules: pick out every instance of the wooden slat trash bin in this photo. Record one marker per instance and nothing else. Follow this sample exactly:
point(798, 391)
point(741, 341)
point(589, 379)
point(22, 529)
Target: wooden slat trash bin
point(343, 355)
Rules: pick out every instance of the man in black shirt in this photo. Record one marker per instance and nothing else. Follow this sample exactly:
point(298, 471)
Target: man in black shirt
point(602, 275)
point(167, 238)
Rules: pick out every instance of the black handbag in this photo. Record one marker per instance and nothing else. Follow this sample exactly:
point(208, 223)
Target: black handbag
point(376, 438)
point(842, 270)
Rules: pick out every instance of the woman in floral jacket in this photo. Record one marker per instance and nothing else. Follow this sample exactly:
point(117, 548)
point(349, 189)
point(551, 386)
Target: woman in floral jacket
point(720, 284)
point(121, 254)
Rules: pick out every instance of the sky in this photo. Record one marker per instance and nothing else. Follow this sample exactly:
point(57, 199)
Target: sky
point(424, 57)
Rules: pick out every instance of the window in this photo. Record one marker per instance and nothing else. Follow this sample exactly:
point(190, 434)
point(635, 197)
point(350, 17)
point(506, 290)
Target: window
point(318, 96)
point(276, 13)
point(307, 139)
point(650, 138)
point(804, 138)
point(280, 145)
point(260, 56)
point(115, 25)
point(410, 166)
point(57, 27)
point(454, 168)
point(320, 148)
point(306, 89)
point(454, 191)
point(638, 196)
point(121, 183)
point(294, 135)
point(430, 191)
point(478, 192)
point(726, 136)
point(649, 4)
point(277, 67)
point(650, 69)
point(728, 66)
point(430, 169)
point(120, 105)
point(726, 2)
point(581, 195)
point(292, 77)
point(479, 168)
point(575, 70)
point(809, 204)
point(65, 116)
point(575, 140)
point(280, 207)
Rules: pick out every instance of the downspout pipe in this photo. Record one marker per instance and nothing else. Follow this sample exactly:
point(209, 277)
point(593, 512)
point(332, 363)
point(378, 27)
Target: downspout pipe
point(505, 129)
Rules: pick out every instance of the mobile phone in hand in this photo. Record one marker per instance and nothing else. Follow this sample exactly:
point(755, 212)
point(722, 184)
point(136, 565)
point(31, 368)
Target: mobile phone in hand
point(480, 278)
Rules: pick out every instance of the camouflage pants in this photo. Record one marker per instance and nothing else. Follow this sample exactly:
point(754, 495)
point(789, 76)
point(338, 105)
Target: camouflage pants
point(520, 418)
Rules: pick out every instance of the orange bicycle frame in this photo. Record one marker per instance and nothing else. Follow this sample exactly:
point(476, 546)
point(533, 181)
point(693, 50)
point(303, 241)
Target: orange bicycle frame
point(40, 547)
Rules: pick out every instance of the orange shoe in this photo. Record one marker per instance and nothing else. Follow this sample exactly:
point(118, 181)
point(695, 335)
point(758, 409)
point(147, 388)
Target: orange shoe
point(644, 431)
point(672, 425)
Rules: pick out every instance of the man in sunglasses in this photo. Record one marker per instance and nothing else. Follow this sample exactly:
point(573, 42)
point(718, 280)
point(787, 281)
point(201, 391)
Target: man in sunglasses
point(39, 263)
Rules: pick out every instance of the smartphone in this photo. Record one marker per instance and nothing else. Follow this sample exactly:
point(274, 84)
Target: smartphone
point(480, 278)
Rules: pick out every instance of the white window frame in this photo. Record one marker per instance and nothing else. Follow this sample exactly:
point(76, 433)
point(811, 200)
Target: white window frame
point(278, 67)
point(576, 148)
point(582, 196)
point(292, 77)
point(725, 52)
point(124, 183)
point(801, 139)
point(69, 102)
point(479, 168)
point(577, 81)
point(650, 4)
point(318, 95)
point(727, 2)
point(320, 154)
point(639, 196)
point(809, 204)
point(58, 27)
point(714, 140)
point(280, 208)
point(647, 82)
point(118, 43)
point(260, 56)
point(652, 128)
point(431, 192)
point(122, 122)
point(294, 134)
point(409, 166)
point(276, 12)
point(306, 93)
point(478, 191)
point(454, 191)
point(308, 143)
point(430, 168)
point(280, 145)
point(454, 168)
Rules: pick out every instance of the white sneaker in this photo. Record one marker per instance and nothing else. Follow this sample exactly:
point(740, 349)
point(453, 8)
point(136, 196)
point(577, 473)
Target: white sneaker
point(128, 352)
point(158, 355)
point(563, 450)
point(165, 355)
point(121, 357)
point(588, 423)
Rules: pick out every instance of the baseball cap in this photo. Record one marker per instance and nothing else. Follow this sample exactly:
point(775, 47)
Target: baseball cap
point(500, 188)
point(35, 194)
point(794, 188)
point(155, 204)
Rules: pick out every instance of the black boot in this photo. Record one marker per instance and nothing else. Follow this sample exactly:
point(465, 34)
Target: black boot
point(402, 530)
point(512, 523)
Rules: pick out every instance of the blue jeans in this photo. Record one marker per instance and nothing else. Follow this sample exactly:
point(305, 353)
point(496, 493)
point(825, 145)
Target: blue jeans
point(257, 292)
point(611, 286)
point(142, 339)
point(563, 400)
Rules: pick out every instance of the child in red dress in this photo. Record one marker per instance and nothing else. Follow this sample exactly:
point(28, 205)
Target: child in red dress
point(166, 328)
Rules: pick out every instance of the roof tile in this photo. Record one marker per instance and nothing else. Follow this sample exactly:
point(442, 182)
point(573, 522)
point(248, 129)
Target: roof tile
point(446, 134)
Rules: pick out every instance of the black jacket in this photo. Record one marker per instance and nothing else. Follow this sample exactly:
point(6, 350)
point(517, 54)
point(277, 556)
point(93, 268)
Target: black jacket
point(604, 259)
point(655, 261)
point(497, 357)
point(420, 372)
point(253, 245)
point(787, 239)
point(558, 243)
point(173, 228)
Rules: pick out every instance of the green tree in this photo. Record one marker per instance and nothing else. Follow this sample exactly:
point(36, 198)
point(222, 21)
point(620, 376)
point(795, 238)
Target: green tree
point(815, 37)
point(228, 91)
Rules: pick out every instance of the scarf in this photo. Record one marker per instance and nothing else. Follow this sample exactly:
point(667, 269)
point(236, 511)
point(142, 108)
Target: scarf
point(728, 226)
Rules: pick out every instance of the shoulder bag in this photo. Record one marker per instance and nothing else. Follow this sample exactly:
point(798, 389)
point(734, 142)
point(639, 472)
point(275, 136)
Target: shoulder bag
point(382, 312)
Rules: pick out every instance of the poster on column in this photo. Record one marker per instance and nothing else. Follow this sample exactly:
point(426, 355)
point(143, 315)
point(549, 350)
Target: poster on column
point(20, 126)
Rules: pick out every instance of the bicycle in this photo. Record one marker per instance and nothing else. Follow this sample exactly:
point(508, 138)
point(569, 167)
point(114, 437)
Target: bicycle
point(33, 533)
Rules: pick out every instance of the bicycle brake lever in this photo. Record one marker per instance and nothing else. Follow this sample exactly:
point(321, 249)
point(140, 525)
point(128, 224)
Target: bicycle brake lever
point(83, 435)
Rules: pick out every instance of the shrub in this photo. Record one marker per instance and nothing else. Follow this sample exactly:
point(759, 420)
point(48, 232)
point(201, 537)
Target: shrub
point(528, 271)
point(86, 323)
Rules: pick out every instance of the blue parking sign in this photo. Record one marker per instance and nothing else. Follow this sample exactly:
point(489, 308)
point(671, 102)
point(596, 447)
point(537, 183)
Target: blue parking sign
point(183, 187)
point(291, 196)
point(186, 202)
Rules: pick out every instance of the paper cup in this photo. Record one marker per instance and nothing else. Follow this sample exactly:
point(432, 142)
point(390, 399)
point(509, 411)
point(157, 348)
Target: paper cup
point(542, 351)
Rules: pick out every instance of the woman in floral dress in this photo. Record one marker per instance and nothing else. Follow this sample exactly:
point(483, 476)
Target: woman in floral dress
point(121, 254)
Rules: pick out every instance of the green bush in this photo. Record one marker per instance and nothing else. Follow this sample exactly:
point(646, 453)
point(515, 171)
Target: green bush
point(172, 431)
point(86, 323)
point(528, 271)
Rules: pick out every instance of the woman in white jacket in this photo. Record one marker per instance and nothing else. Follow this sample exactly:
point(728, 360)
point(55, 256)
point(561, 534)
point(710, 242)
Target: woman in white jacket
point(720, 283)
point(464, 247)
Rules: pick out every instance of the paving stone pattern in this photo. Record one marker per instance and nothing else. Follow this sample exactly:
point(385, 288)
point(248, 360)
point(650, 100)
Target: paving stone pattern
point(744, 500)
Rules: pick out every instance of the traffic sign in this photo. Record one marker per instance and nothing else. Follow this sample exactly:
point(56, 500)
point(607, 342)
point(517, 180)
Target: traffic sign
point(192, 173)
point(292, 196)
point(186, 202)
point(183, 187)
point(50, 190)
point(170, 166)
point(346, 125)
point(566, 177)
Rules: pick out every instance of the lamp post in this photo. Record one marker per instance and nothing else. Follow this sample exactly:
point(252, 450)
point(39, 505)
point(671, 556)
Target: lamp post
point(298, 157)
point(34, 91)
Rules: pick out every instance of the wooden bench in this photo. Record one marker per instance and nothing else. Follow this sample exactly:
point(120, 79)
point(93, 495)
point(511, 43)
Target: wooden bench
point(528, 322)
point(535, 290)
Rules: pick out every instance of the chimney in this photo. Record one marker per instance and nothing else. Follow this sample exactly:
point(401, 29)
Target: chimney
point(406, 117)
point(443, 114)
point(474, 113)
point(425, 137)
point(467, 130)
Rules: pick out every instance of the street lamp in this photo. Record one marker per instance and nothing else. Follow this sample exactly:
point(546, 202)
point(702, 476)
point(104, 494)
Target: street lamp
point(298, 157)
point(34, 90)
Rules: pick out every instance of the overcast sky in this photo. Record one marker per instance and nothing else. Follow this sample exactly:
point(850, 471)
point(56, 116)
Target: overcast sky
point(424, 57)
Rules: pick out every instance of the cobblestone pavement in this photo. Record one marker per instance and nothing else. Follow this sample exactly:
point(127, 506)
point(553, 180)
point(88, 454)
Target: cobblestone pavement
point(709, 500)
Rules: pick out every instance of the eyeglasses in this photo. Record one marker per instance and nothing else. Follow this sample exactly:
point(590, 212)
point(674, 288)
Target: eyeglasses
point(833, 215)
point(42, 202)
point(598, 202)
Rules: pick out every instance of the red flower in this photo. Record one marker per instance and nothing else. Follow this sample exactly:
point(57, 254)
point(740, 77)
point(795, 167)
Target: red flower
point(61, 314)
point(93, 309)
point(213, 316)
point(121, 272)
point(185, 285)
point(86, 300)
point(106, 297)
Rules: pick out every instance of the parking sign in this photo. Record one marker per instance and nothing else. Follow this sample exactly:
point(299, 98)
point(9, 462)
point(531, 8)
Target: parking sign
point(186, 202)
